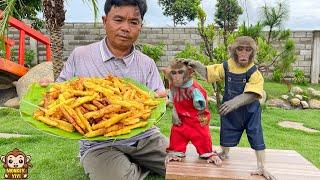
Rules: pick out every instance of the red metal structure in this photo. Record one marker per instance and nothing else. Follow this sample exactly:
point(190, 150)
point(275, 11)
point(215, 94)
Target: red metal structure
point(12, 69)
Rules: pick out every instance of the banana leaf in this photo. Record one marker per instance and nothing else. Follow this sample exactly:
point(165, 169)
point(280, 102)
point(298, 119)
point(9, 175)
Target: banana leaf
point(34, 96)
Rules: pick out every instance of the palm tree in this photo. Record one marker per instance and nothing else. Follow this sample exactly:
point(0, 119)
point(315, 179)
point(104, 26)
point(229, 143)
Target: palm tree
point(54, 14)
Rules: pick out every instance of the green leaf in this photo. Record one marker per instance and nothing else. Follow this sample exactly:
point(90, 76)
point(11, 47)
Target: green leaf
point(34, 96)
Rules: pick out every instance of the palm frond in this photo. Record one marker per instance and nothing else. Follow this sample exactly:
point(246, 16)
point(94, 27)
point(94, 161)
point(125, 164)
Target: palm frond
point(95, 8)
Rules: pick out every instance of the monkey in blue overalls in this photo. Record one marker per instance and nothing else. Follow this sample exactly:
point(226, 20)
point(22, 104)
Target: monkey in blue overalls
point(240, 109)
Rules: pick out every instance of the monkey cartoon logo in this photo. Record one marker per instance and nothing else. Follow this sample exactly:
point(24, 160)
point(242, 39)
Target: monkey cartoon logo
point(16, 164)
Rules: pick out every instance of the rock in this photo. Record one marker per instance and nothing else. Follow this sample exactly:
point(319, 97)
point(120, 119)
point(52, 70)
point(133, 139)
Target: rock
point(299, 97)
point(7, 94)
point(315, 94)
point(295, 102)
point(263, 99)
point(13, 103)
point(296, 90)
point(278, 103)
point(285, 97)
point(14, 83)
point(304, 104)
point(41, 71)
point(310, 90)
point(314, 104)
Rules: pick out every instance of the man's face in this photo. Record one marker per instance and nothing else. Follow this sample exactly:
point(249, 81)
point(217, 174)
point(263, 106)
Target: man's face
point(122, 25)
point(244, 54)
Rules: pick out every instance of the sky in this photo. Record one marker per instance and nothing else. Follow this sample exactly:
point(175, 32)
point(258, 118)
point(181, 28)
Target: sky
point(303, 14)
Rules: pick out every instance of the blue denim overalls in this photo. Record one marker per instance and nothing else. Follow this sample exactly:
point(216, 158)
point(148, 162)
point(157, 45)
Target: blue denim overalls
point(247, 117)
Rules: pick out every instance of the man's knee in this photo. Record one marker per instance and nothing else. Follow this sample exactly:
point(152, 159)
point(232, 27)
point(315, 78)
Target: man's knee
point(111, 164)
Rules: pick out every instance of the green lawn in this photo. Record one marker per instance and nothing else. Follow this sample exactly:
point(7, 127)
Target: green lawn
point(55, 158)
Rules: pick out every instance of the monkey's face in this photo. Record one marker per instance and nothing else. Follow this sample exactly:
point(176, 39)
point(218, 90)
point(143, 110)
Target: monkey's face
point(178, 77)
point(16, 161)
point(244, 54)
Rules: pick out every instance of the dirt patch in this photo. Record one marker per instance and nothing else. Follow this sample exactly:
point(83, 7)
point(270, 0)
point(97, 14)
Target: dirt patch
point(7, 135)
point(296, 125)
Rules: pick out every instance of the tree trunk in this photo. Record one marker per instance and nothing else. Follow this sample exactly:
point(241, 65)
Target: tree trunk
point(57, 51)
point(55, 15)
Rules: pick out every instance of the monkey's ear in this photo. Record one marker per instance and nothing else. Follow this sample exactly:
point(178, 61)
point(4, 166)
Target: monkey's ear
point(3, 159)
point(28, 158)
point(190, 71)
point(166, 72)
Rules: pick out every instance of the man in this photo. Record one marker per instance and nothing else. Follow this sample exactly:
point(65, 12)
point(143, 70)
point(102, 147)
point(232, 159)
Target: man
point(115, 55)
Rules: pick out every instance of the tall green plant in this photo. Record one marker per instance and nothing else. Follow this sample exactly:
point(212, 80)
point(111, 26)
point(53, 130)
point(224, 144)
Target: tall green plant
point(181, 11)
point(274, 17)
point(26, 9)
point(153, 51)
point(226, 17)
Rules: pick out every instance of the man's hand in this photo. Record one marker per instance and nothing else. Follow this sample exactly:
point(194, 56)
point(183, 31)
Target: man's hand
point(45, 82)
point(196, 66)
point(236, 102)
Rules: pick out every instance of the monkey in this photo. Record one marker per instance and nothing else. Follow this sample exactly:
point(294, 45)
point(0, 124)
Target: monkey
point(191, 115)
point(16, 164)
point(240, 109)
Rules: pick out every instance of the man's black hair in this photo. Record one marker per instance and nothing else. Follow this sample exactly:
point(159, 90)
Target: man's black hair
point(142, 5)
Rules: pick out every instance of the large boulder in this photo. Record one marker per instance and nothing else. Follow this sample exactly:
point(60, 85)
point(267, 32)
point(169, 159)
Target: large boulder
point(314, 104)
point(296, 90)
point(278, 103)
point(35, 74)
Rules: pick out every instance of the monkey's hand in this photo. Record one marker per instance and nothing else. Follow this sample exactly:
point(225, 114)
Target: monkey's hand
point(236, 102)
point(175, 118)
point(196, 66)
point(263, 172)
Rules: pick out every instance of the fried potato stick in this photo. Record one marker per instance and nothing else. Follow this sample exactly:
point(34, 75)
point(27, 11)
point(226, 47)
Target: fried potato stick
point(142, 92)
point(117, 133)
point(113, 120)
point(55, 107)
point(47, 121)
point(130, 121)
point(74, 115)
point(115, 127)
point(64, 125)
point(100, 113)
point(83, 100)
point(71, 120)
point(83, 119)
point(98, 132)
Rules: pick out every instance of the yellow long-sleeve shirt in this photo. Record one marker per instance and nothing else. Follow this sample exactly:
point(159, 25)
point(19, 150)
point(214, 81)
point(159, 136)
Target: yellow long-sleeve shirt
point(255, 84)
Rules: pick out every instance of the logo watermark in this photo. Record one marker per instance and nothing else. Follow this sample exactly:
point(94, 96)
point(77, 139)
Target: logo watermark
point(16, 164)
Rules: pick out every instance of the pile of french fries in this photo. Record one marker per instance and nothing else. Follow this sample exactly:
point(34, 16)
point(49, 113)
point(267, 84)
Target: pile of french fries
point(94, 107)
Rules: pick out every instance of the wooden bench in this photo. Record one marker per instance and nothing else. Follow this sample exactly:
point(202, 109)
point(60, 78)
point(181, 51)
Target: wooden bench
point(283, 164)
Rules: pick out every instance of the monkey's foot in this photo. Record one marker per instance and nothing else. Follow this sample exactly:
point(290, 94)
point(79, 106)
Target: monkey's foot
point(264, 173)
point(215, 160)
point(172, 157)
point(223, 156)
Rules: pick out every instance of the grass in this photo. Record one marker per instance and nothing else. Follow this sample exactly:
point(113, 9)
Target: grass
point(55, 158)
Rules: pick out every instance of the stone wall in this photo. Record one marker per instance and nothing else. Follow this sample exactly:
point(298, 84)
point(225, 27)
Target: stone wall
point(175, 39)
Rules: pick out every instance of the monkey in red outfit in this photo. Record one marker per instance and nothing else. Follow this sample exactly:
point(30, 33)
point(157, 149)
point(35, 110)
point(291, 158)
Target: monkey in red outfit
point(191, 115)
